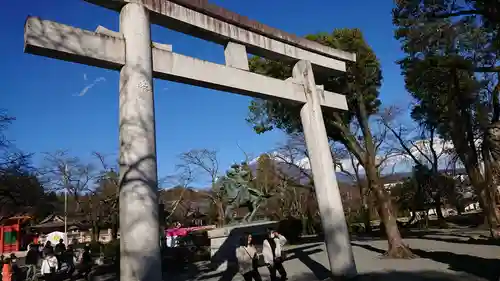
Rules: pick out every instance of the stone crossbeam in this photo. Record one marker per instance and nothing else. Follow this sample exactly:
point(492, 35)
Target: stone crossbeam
point(205, 7)
point(106, 49)
point(221, 28)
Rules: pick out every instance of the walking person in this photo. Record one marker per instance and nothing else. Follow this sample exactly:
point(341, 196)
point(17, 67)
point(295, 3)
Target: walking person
point(47, 248)
point(59, 250)
point(272, 252)
point(16, 270)
point(85, 262)
point(248, 260)
point(69, 259)
point(50, 265)
point(31, 261)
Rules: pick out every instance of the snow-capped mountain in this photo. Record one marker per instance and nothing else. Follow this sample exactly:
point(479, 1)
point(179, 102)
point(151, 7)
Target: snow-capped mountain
point(298, 171)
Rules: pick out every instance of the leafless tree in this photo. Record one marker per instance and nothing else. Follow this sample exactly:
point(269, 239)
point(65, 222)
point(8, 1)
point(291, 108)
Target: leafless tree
point(63, 172)
point(5, 121)
point(294, 154)
point(10, 156)
point(297, 188)
point(423, 147)
point(104, 205)
point(183, 179)
point(200, 160)
point(203, 164)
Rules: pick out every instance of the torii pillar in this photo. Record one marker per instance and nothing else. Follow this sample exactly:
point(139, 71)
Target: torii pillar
point(140, 255)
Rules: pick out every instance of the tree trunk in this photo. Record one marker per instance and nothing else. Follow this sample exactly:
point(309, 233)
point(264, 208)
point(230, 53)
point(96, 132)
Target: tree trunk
point(114, 227)
point(397, 248)
point(439, 212)
point(365, 206)
point(95, 231)
point(486, 200)
point(489, 213)
point(367, 219)
point(221, 217)
point(490, 184)
point(367, 216)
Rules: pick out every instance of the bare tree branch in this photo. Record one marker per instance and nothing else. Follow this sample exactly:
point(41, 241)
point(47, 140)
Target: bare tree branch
point(67, 173)
point(197, 160)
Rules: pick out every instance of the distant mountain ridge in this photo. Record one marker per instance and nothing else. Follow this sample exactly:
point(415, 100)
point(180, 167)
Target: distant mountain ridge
point(296, 172)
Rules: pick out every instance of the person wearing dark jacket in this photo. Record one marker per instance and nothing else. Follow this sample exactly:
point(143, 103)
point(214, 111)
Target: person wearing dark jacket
point(31, 261)
point(69, 259)
point(86, 262)
point(47, 249)
point(59, 250)
point(60, 247)
point(16, 270)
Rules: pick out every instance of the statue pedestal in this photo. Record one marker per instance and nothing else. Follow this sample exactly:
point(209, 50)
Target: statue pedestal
point(225, 240)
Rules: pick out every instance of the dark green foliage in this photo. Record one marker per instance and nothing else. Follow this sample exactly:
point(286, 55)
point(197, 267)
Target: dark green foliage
point(291, 228)
point(360, 84)
point(96, 248)
point(427, 22)
point(111, 250)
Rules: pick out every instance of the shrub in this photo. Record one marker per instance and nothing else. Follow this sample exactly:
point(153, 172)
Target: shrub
point(111, 250)
point(95, 248)
point(291, 228)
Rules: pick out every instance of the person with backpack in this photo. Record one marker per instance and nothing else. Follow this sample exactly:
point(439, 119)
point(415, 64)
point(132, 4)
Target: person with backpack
point(50, 265)
point(272, 252)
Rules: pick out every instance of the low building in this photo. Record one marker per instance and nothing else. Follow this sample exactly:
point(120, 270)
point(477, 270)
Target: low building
point(80, 232)
point(13, 234)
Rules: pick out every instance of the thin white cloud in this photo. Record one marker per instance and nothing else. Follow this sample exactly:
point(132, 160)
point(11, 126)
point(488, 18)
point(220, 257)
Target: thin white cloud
point(85, 77)
point(90, 86)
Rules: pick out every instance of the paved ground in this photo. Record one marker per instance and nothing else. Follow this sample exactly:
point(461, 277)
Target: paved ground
point(444, 255)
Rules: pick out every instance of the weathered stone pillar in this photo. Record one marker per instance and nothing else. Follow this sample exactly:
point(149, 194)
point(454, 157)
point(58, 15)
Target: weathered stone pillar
point(338, 244)
point(139, 228)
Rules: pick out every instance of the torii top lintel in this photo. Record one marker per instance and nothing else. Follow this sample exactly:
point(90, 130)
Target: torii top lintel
point(213, 23)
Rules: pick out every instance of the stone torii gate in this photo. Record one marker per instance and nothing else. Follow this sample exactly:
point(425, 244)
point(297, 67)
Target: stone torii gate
point(139, 61)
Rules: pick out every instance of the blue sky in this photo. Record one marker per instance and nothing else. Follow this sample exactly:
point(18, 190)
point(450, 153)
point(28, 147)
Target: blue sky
point(42, 93)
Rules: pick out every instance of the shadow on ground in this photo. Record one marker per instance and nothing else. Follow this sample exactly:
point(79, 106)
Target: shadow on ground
point(488, 269)
point(399, 276)
point(483, 240)
point(433, 234)
point(301, 253)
